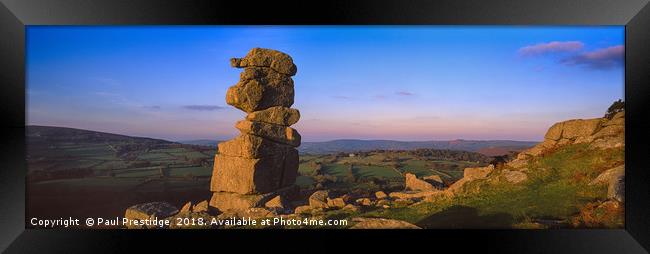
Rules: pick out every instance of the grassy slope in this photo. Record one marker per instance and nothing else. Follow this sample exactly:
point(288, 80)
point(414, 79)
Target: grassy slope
point(557, 188)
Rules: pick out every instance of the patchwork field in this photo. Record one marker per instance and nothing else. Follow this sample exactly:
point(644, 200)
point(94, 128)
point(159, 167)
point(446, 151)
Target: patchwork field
point(86, 173)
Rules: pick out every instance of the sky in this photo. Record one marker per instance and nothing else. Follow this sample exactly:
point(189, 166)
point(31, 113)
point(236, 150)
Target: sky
point(353, 82)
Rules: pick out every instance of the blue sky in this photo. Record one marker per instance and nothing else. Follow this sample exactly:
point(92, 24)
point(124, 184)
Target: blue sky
point(367, 82)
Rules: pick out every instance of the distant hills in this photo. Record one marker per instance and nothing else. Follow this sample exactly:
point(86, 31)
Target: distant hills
point(200, 142)
point(490, 147)
point(487, 147)
point(52, 133)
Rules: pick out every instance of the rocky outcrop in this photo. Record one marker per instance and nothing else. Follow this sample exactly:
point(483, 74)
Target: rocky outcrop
point(415, 184)
point(598, 132)
point(614, 178)
point(262, 162)
point(319, 199)
point(152, 210)
point(470, 174)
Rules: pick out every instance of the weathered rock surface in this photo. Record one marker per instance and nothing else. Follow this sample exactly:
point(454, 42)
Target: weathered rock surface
point(254, 95)
point(187, 207)
point(225, 201)
point(275, 203)
point(257, 168)
point(247, 176)
point(478, 172)
point(609, 175)
point(159, 210)
point(616, 189)
point(250, 146)
point(336, 202)
point(201, 207)
point(415, 184)
point(305, 209)
point(598, 133)
point(364, 201)
point(261, 57)
point(319, 199)
point(275, 115)
point(277, 133)
point(470, 174)
point(380, 195)
point(614, 178)
point(380, 223)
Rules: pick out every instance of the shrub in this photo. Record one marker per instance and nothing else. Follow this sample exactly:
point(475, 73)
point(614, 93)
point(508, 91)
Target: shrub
point(617, 106)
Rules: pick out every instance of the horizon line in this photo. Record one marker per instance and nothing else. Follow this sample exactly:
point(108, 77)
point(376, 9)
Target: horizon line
point(340, 139)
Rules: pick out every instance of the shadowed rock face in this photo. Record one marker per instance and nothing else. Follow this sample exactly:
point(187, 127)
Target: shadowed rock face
point(262, 159)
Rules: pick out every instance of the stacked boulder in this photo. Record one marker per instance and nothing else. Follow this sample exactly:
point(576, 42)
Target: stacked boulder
point(262, 162)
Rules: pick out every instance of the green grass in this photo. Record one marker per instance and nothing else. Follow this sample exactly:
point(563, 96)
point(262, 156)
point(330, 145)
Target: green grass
point(417, 167)
point(336, 169)
point(557, 188)
point(376, 171)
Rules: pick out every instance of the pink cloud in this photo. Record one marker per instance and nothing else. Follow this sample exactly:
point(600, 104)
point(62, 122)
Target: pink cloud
point(551, 47)
point(604, 58)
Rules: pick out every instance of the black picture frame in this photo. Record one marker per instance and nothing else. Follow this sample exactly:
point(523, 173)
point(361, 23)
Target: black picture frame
point(633, 14)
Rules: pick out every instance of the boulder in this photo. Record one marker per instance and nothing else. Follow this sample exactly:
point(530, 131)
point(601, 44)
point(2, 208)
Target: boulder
point(265, 75)
point(579, 128)
point(248, 176)
point(305, 209)
point(479, 172)
point(514, 176)
point(616, 188)
point(275, 115)
point(351, 208)
point(609, 175)
point(277, 133)
point(380, 223)
point(555, 132)
point(251, 146)
point(384, 203)
point(275, 203)
point(364, 201)
point(225, 201)
point(319, 199)
point(380, 195)
point(413, 183)
point(159, 210)
point(187, 207)
point(254, 95)
point(201, 207)
point(336, 202)
point(261, 57)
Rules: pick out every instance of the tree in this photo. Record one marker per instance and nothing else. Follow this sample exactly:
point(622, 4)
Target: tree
point(617, 106)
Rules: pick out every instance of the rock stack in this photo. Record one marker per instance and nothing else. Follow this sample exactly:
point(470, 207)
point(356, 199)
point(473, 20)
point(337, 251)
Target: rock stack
point(262, 162)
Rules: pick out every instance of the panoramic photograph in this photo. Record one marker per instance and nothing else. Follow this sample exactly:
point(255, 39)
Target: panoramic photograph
point(325, 127)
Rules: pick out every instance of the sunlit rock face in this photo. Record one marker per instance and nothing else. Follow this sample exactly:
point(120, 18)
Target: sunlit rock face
point(262, 162)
